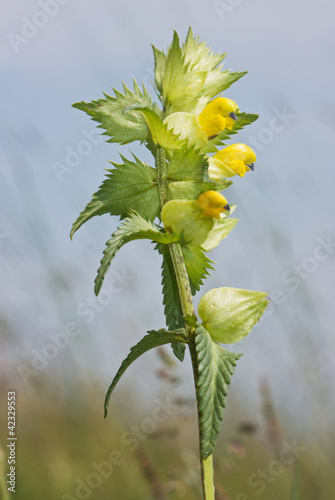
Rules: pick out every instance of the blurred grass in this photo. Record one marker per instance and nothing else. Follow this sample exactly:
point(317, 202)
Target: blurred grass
point(62, 437)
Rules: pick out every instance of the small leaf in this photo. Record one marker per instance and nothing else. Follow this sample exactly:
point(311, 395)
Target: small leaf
point(197, 265)
point(178, 349)
point(133, 228)
point(186, 165)
point(153, 339)
point(129, 186)
point(160, 60)
point(215, 368)
point(159, 131)
point(114, 115)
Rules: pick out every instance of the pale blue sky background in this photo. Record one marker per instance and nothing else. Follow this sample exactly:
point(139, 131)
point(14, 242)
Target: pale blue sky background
point(285, 207)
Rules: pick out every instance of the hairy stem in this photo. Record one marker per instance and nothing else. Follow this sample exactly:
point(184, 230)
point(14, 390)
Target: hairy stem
point(186, 301)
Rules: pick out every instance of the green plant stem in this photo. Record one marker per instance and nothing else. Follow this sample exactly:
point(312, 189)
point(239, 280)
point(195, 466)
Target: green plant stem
point(185, 295)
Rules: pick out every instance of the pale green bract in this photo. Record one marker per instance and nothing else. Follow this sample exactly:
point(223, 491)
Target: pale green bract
point(186, 127)
point(228, 314)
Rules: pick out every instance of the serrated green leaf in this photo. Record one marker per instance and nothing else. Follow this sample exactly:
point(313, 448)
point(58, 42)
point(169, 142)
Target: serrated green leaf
point(178, 350)
point(177, 83)
point(160, 61)
point(159, 131)
point(215, 368)
point(186, 164)
point(217, 81)
point(192, 76)
point(129, 186)
point(198, 55)
point(243, 119)
point(185, 175)
point(197, 265)
point(186, 127)
point(171, 301)
point(116, 116)
point(153, 339)
point(133, 228)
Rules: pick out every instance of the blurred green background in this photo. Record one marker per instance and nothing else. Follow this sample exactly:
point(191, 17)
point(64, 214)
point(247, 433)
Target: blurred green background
point(60, 346)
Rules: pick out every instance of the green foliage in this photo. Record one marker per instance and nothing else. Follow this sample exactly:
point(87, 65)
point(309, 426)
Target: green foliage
point(171, 301)
point(185, 174)
point(215, 369)
point(117, 116)
point(129, 186)
point(186, 165)
point(153, 339)
point(132, 228)
point(190, 76)
point(197, 265)
point(160, 134)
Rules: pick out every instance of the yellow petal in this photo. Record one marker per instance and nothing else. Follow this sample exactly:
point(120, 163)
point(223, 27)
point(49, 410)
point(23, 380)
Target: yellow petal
point(236, 152)
point(215, 116)
point(236, 157)
point(213, 204)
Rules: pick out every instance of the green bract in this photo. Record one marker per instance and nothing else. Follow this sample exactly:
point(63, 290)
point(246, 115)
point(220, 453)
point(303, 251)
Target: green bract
point(228, 314)
point(186, 127)
point(184, 217)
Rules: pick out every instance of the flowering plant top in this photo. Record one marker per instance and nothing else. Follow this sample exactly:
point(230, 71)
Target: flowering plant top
point(177, 203)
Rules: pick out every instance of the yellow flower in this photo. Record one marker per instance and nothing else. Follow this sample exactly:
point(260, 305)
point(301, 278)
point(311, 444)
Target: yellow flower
point(213, 204)
point(218, 115)
point(232, 160)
